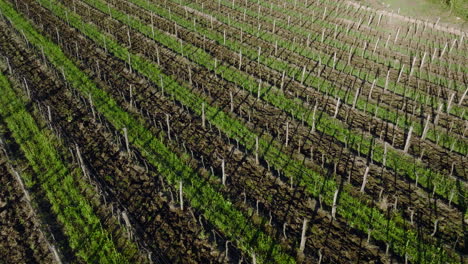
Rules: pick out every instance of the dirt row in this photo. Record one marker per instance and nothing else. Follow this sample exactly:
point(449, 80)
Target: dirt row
point(387, 100)
point(289, 35)
point(23, 240)
point(170, 234)
point(339, 228)
point(30, 71)
point(178, 63)
point(418, 28)
point(402, 43)
point(359, 121)
point(357, 60)
point(51, 229)
point(180, 70)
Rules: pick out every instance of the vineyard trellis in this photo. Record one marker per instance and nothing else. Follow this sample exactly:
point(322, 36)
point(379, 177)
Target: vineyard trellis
point(235, 130)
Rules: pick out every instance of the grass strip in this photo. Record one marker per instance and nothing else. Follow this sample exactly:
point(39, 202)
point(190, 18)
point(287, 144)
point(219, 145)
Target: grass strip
point(402, 164)
point(315, 54)
point(203, 197)
point(81, 225)
point(339, 13)
point(402, 241)
point(340, 29)
point(437, 136)
point(432, 40)
point(310, 53)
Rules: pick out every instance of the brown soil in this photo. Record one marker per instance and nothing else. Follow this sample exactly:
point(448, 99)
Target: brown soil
point(22, 237)
point(166, 231)
point(198, 140)
point(365, 254)
point(223, 101)
point(386, 100)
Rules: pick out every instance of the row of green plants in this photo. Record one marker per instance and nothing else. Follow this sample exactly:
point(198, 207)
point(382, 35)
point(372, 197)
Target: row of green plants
point(356, 212)
point(305, 51)
point(433, 77)
point(119, 15)
point(80, 224)
point(434, 134)
point(215, 208)
point(431, 36)
point(408, 43)
point(124, 244)
point(321, 24)
point(403, 165)
point(335, 9)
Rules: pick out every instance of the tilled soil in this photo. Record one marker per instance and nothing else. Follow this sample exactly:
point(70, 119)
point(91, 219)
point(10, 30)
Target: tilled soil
point(262, 119)
point(311, 23)
point(23, 240)
point(195, 140)
point(356, 120)
point(172, 235)
point(354, 245)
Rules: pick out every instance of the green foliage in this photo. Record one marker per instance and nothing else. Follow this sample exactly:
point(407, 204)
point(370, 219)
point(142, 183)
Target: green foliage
point(201, 195)
point(74, 212)
point(403, 165)
point(458, 7)
point(356, 212)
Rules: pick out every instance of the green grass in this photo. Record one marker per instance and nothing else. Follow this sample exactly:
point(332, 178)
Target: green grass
point(323, 85)
point(351, 208)
point(447, 10)
point(80, 224)
point(202, 196)
point(402, 164)
point(300, 31)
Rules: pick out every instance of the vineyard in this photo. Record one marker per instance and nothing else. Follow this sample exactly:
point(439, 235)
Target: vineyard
point(230, 131)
